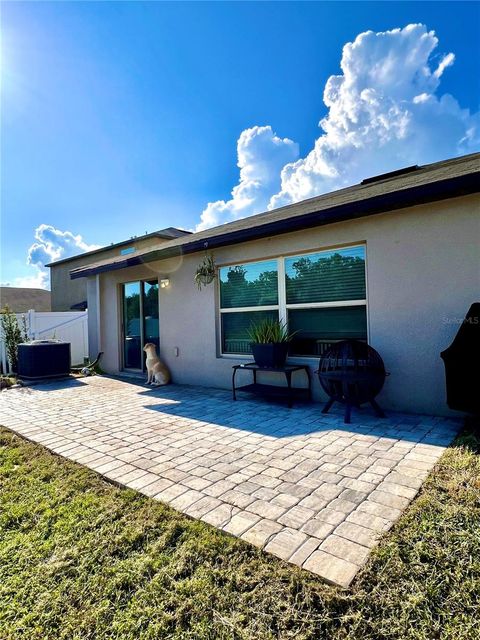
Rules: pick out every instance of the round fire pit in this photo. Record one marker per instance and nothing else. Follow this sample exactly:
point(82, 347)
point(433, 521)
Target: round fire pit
point(352, 372)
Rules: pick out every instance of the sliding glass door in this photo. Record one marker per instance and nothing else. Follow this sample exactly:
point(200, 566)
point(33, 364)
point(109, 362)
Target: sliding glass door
point(151, 327)
point(140, 321)
point(132, 334)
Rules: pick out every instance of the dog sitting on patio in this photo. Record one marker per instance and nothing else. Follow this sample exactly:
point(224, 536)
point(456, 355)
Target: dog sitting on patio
point(158, 374)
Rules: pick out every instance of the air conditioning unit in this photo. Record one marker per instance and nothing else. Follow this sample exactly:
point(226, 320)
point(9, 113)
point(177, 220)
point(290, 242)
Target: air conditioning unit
point(43, 359)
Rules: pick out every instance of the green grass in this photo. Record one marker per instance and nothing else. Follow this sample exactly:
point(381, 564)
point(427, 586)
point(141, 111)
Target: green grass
point(80, 558)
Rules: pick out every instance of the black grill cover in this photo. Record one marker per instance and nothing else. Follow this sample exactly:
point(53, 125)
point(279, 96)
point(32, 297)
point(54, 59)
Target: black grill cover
point(462, 365)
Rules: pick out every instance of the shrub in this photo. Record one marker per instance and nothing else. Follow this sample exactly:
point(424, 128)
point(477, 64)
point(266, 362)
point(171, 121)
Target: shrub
point(13, 334)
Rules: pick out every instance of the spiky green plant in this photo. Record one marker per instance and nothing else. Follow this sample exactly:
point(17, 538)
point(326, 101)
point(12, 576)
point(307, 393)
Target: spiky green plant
point(270, 331)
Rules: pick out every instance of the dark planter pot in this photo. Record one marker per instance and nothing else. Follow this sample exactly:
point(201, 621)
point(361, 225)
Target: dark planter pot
point(270, 355)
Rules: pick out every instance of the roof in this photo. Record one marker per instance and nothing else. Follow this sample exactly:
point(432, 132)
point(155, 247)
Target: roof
point(169, 233)
point(79, 306)
point(20, 300)
point(389, 192)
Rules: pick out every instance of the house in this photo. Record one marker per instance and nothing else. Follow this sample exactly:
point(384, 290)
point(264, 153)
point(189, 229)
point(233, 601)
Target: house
point(21, 300)
point(68, 295)
point(394, 260)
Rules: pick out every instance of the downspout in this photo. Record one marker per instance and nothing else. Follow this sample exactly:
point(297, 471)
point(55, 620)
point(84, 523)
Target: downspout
point(97, 305)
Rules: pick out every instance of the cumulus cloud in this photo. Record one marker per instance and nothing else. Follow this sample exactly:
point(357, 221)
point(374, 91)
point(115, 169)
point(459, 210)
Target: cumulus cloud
point(384, 112)
point(50, 244)
point(53, 244)
point(261, 157)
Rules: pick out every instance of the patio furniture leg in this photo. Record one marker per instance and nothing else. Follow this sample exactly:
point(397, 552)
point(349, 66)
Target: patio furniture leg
point(233, 384)
point(380, 413)
point(288, 376)
point(348, 412)
point(328, 405)
point(309, 384)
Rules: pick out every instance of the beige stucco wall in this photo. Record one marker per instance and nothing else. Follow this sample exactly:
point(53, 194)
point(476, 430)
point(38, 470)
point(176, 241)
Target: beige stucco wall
point(423, 272)
point(67, 292)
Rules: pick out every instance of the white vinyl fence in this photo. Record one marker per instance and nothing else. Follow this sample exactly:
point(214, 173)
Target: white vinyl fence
point(68, 326)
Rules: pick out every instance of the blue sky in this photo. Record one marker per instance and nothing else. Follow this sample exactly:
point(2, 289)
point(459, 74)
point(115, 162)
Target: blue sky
point(120, 118)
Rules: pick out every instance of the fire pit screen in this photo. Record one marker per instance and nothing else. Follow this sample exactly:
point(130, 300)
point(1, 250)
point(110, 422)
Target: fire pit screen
point(352, 372)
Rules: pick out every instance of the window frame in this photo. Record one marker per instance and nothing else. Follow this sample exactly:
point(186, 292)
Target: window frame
point(283, 307)
point(268, 307)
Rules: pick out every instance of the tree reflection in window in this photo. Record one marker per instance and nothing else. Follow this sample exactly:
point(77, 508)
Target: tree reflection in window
point(326, 277)
point(249, 285)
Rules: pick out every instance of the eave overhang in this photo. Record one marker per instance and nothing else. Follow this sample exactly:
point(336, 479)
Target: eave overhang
point(434, 191)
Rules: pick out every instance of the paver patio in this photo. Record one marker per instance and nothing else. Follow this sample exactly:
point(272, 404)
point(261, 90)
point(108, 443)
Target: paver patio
point(302, 485)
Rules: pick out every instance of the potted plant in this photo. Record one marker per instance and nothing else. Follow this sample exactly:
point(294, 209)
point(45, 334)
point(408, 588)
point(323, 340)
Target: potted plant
point(270, 343)
point(205, 272)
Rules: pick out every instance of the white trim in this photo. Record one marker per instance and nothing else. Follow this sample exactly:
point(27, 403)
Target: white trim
point(268, 307)
point(99, 316)
point(236, 356)
point(367, 310)
point(282, 291)
point(320, 305)
point(311, 360)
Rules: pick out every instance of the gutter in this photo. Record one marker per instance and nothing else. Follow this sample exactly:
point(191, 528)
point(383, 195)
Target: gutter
point(383, 203)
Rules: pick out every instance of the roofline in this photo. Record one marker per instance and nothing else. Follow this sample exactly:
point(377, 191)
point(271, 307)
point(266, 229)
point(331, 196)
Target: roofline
point(5, 286)
point(382, 203)
point(154, 234)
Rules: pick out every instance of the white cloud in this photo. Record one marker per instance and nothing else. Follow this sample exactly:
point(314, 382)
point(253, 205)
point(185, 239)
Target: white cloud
point(384, 113)
point(50, 244)
point(53, 244)
point(446, 61)
point(261, 156)
point(37, 281)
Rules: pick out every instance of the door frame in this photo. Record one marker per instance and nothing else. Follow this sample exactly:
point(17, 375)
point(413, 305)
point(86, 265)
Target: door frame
point(121, 286)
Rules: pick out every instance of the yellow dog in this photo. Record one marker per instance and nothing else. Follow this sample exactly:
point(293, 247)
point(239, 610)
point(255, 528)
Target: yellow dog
point(158, 374)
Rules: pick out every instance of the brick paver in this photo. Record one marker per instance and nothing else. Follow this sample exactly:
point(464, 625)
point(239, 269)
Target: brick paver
point(302, 485)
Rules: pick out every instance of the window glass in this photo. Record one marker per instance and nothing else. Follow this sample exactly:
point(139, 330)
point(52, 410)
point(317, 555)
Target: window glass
point(326, 276)
point(235, 328)
point(318, 328)
point(249, 285)
point(151, 330)
point(132, 323)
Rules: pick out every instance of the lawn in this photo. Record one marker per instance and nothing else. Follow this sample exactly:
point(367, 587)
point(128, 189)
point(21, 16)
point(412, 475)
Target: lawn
point(81, 558)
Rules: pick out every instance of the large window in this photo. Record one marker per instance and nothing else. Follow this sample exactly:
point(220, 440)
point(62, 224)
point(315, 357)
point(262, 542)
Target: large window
point(321, 296)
